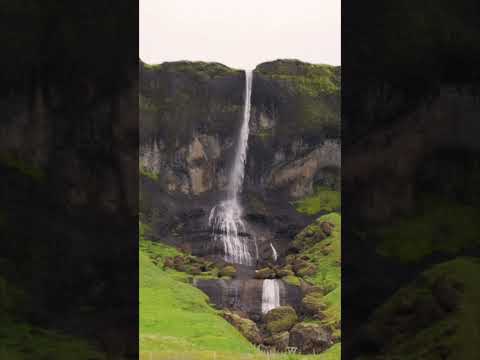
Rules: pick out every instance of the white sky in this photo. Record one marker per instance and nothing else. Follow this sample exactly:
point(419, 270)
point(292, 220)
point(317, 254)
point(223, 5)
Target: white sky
point(241, 33)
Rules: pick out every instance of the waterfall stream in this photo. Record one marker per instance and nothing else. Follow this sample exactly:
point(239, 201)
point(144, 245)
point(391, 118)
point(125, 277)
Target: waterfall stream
point(270, 295)
point(226, 218)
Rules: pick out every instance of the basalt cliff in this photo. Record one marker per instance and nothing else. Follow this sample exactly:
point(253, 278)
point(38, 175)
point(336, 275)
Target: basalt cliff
point(191, 114)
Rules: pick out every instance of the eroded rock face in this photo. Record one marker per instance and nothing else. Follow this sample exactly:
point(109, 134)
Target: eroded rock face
point(245, 295)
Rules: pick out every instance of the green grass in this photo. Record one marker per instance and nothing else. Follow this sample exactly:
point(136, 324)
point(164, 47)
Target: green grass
point(458, 331)
point(441, 226)
point(175, 316)
point(323, 200)
point(328, 275)
point(19, 341)
point(30, 170)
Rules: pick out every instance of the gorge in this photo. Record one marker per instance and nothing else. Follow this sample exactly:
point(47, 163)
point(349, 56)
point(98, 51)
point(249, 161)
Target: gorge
point(240, 195)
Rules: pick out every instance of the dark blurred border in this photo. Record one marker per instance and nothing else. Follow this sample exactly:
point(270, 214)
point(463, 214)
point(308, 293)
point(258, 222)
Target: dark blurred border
point(69, 179)
point(410, 149)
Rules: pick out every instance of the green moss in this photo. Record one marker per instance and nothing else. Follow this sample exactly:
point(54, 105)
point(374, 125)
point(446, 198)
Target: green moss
point(401, 326)
point(292, 280)
point(149, 174)
point(23, 341)
point(199, 68)
point(30, 170)
point(440, 226)
point(280, 319)
point(324, 199)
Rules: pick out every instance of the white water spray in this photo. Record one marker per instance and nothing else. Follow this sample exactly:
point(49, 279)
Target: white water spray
point(270, 295)
point(275, 255)
point(226, 218)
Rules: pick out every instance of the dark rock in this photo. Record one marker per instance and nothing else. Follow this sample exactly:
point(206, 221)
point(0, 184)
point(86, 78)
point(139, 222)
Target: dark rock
point(265, 273)
point(278, 341)
point(309, 338)
point(327, 227)
point(446, 294)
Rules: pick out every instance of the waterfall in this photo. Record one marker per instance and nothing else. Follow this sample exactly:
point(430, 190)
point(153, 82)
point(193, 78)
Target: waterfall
point(275, 255)
point(270, 295)
point(226, 218)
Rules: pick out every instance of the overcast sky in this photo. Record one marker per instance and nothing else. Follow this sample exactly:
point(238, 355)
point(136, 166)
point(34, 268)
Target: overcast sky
point(241, 33)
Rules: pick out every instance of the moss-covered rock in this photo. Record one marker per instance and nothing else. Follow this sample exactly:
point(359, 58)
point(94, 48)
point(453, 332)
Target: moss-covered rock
point(309, 236)
point(285, 271)
point(310, 337)
point(314, 303)
point(278, 341)
point(246, 326)
point(280, 319)
point(228, 270)
point(265, 273)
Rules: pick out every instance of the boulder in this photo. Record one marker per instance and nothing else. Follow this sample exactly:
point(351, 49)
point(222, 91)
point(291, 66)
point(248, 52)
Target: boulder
point(309, 338)
point(180, 263)
point(280, 319)
point(168, 263)
point(278, 341)
point(265, 273)
point(285, 271)
point(246, 326)
point(228, 270)
point(313, 303)
point(306, 269)
point(327, 227)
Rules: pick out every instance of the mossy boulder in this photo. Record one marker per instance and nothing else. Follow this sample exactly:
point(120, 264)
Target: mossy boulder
point(314, 303)
point(265, 273)
point(310, 338)
point(279, 341)
point(285, 271)
point(246, 326)
point(280, 319)
point(228, 270)
point(311, 235)
point(292, 280)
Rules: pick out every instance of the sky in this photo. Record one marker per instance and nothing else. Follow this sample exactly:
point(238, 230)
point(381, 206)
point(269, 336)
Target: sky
point(240, 33)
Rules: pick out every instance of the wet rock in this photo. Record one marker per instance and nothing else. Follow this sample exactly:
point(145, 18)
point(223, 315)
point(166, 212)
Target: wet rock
point(265, 273)
point(309, 338)
point(278, 341)
point(280, 319)
point(228, 270)
point(313, 303)
point(246, 326)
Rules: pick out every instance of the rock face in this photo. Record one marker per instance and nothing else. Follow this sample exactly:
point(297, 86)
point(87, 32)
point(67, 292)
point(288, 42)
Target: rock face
point(309, 338)
point(245, 295)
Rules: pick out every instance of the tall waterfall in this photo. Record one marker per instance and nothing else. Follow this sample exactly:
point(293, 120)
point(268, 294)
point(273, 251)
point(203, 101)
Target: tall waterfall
point(226, 218)
point(274, 252)
point(270, 295)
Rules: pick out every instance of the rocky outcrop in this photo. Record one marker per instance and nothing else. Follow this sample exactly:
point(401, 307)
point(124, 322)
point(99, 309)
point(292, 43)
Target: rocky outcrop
point(246, 326)
point(279, 341)
point(310, 338)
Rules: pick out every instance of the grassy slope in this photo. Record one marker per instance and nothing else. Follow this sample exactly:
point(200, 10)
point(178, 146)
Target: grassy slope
point(328, 275)
point(441, 227)
point(21, 341)
point(177, 322)
point(323, 200)
point(458, 333)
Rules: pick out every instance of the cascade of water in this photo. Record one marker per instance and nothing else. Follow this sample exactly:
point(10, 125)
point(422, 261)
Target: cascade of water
point(270, 295)
point(275, 255)
point(226, 218)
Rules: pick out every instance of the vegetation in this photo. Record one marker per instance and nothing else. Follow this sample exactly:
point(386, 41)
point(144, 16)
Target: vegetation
point(439, 227)
point(436, 314)
point(198, 68)
point(30, 170)
point(324, 200)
